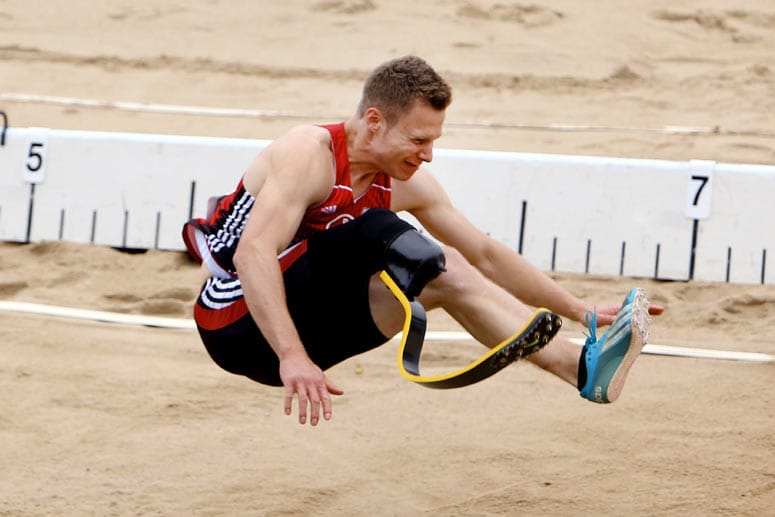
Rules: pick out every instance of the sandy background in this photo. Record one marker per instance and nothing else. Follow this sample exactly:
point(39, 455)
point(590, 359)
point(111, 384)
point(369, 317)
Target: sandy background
point(102, 419)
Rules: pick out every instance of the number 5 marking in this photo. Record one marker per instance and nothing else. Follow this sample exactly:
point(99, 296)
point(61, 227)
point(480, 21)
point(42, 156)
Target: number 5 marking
point(34, 157)
point(36, 162)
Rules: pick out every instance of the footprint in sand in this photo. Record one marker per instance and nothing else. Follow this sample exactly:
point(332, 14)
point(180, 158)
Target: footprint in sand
point(756, 19)
point(174, 301)
point(182, 294)
point(169, 302)
point(122, 297)
point(527, 15)
point(165, 307)
point(750, 303)
point(736, 24)
point(345, 6)
point(8, 289)
point(143, 14)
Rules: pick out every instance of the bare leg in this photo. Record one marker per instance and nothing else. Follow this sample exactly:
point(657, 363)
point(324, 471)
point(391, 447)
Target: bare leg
point(485, 310)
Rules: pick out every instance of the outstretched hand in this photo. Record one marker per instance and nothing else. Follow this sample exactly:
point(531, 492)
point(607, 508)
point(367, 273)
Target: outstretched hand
point(303, 378)
point(606, 313)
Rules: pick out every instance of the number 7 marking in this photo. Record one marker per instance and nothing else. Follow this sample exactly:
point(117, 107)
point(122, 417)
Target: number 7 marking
point(703, 181)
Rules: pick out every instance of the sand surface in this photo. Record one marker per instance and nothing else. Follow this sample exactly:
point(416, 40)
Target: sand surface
point(109, 419)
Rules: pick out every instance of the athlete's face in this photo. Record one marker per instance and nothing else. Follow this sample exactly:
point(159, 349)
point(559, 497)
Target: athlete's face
point(408, 142)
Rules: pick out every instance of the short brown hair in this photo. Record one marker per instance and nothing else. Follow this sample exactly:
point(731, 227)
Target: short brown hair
point(394, 86)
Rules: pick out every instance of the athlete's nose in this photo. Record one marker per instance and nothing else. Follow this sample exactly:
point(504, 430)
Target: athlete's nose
point(426, 153)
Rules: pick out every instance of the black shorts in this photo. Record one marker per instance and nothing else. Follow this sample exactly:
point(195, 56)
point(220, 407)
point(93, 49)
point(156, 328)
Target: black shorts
point(327, 294)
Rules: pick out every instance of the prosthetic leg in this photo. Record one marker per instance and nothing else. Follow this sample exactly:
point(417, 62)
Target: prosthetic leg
point(412, 262)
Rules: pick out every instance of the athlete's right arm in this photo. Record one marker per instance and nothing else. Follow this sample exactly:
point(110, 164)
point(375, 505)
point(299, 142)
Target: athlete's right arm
point(291, 174)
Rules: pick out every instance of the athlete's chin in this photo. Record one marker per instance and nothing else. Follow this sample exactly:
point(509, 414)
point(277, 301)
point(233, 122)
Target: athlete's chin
point(403, 171)
point(408, 170)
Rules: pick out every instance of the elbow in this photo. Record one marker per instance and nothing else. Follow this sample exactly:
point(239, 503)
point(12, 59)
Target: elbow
point(242, 256)
point(251, 254)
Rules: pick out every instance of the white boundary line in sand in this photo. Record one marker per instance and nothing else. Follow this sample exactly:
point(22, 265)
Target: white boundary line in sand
point(101, 316)
point(173, 109)
point(182, 323)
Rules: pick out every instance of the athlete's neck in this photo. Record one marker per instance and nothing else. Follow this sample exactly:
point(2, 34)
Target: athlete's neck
point(363, 168)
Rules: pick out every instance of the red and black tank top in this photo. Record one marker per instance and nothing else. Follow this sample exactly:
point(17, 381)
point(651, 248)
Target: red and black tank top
point(341, 207)
point(214, 239)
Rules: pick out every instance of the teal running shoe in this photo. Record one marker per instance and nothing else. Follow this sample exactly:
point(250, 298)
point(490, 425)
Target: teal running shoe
point(605, 362)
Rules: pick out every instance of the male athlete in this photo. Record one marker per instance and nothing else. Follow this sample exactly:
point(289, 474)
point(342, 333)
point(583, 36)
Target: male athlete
point(293, 256)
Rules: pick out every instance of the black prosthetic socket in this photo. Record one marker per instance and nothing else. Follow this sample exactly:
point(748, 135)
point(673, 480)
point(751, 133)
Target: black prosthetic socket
point(413, 260)
point(357, 246)
point(377, 240)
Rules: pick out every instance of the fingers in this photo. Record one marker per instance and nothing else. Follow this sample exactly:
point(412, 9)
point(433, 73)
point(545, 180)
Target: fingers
point(327, 406)
point(302, 407)
point(288, 400)
point(324, 396)
point(604, 319)
point(314, 404)
point(301, 392)
point(315, 399)
point(310, 400)
point(656, 310)
point(607, 313)
point(333, 389)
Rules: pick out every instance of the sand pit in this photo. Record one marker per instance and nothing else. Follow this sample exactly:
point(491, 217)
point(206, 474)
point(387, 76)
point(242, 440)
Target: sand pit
point(112, 419)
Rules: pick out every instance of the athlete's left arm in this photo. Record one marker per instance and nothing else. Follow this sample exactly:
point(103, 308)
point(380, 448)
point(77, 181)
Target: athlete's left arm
point(426, 199)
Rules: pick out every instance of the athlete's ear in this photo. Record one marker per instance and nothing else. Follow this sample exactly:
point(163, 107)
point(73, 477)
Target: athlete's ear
point(374, 119)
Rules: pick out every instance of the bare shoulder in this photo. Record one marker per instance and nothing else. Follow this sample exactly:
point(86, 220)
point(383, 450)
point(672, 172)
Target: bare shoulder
point(305, 137)
point(300, 144)
point(302, 152)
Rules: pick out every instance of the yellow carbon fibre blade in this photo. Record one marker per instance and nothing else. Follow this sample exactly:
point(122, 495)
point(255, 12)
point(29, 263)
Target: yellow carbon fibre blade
point(534, 335)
